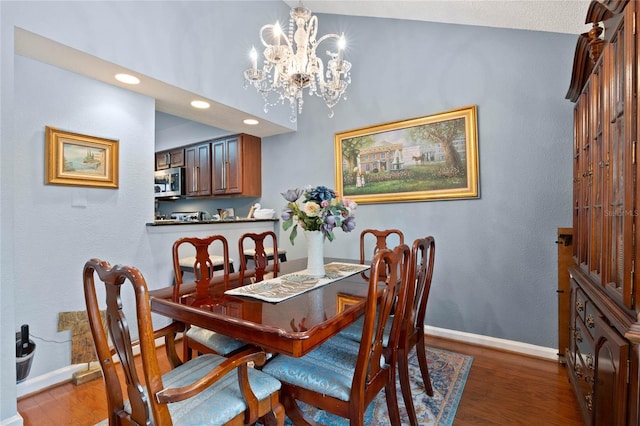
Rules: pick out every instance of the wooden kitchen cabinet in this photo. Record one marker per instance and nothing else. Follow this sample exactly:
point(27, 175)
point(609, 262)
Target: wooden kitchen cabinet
point(236, 166)
point(198, 170)
point(604, 355)
point(169, 159)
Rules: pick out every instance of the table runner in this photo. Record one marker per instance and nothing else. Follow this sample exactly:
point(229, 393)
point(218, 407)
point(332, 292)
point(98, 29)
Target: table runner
point(289, 285)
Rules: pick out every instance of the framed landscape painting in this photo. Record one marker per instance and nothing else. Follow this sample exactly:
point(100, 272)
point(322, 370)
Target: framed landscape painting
point(421, 159)
point(80, 160)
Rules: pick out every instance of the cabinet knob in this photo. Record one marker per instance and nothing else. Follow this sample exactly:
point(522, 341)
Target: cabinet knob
point(589, 361)
point(590, 321)
point(578, 336)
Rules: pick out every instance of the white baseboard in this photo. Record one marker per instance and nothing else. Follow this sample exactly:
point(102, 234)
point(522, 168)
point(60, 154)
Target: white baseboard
point(62, 375)
point(16, 420)
point(47, 380)
point(494, 342)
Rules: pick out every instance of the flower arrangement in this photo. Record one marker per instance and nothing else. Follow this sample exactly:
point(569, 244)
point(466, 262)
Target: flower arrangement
point(317, 209)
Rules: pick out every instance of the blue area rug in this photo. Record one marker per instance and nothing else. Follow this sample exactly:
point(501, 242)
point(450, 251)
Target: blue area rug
point(448, 370)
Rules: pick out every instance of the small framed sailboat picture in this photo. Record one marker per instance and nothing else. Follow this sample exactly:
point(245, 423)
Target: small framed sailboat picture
point(80, 160)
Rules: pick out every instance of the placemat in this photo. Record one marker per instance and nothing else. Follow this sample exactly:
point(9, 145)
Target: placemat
point(289, 285)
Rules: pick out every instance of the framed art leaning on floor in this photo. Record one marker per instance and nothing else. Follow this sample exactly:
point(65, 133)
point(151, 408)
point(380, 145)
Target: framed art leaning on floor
point(421, 159)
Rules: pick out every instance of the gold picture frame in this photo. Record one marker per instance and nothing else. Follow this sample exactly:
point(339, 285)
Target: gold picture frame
point(343, 301)
point(422, 159)
point(80, 160)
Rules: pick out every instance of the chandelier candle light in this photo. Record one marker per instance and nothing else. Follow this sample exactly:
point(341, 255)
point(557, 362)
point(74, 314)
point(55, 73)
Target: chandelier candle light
point(318, 211)
point(291, 64)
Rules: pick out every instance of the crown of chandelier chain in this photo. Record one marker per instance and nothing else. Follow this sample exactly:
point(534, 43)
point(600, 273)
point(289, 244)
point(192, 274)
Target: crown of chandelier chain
point(291, 65)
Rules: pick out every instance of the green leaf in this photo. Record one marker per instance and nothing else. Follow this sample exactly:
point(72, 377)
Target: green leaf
point(294, 234)
point(287, 223)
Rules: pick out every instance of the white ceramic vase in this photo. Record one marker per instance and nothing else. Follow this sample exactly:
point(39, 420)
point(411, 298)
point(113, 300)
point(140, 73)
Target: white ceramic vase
point(315, 253)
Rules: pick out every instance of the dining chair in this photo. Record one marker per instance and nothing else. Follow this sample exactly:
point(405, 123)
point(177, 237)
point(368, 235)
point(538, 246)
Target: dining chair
point(412, 330)
point(385, 238)
point(423, 254)
point(249, 253)
point(260, 245)
point(209, 389)
point(197, 338)
point(342, 376)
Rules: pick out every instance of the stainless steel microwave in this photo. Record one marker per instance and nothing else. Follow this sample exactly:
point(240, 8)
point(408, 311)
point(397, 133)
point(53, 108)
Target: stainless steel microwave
point(169, 183)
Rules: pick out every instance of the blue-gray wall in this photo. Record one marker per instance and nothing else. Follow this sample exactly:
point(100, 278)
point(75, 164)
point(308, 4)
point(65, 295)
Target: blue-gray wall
point(495, 270)
point(496, 257)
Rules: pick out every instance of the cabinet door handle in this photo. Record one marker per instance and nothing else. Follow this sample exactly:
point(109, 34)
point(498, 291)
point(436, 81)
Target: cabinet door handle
point(167, 158)
point(226, 173)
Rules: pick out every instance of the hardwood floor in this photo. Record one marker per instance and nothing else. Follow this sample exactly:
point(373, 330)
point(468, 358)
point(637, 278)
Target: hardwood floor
point(502, 388)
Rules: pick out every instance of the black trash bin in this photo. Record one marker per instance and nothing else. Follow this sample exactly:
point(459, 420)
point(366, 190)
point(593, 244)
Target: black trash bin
point(25, 348)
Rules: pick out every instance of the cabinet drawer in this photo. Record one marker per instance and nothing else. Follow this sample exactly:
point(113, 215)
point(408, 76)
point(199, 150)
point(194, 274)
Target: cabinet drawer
point(585, 346)
point(591, 315)
point(582, 379)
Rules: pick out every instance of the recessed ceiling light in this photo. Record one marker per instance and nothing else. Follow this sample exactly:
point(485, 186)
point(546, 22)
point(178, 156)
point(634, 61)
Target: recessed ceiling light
point(127, 79)
point(250, 121)
point(200, 104)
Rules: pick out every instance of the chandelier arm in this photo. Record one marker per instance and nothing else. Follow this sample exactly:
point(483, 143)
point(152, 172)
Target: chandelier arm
point(271, 27)
point(320, 73)
point(313, 27)
point(326, 36)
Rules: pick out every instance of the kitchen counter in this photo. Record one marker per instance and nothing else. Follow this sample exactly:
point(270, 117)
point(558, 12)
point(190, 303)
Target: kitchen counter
point(163, 233)
point(172, 222)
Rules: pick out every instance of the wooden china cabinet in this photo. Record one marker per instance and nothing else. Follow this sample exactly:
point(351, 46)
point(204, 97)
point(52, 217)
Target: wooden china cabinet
point(603, 352)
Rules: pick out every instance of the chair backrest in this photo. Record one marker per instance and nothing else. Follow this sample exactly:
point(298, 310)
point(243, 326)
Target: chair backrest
point(142, 407)
point(385, 238)
point(423, 254)
point(260, 243)
point(391, 268)
point(203, 267)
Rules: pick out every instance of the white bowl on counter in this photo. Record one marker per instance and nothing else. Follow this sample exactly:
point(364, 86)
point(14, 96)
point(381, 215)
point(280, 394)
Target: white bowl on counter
point(264, 213)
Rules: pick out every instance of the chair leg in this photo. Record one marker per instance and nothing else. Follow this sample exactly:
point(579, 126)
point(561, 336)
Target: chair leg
point(187, 353)
point(421, 351)
point(405, 385)
point(392, 397)
point(293, 411)
point(275, 417)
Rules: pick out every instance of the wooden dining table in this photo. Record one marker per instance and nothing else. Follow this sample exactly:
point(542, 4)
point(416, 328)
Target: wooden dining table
point(293, 327)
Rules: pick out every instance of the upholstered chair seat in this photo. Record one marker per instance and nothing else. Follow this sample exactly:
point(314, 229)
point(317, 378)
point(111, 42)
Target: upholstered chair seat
point(333, 365)
point(282, 253)
point(219, 403)
point(187, 262)
point(354, 331)
point(219, 343)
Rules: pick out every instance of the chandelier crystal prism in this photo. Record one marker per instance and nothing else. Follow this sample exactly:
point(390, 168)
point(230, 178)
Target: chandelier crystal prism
point(291, 65)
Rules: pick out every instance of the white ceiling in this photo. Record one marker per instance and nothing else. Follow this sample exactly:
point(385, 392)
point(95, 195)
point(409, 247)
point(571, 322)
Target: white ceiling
point(564, 16)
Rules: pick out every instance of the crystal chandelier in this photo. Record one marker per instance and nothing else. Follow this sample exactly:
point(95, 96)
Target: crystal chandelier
point(291, 64)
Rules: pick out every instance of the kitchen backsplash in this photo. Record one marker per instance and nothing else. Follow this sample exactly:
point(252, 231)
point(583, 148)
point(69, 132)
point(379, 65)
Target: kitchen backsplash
point(241, 206)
